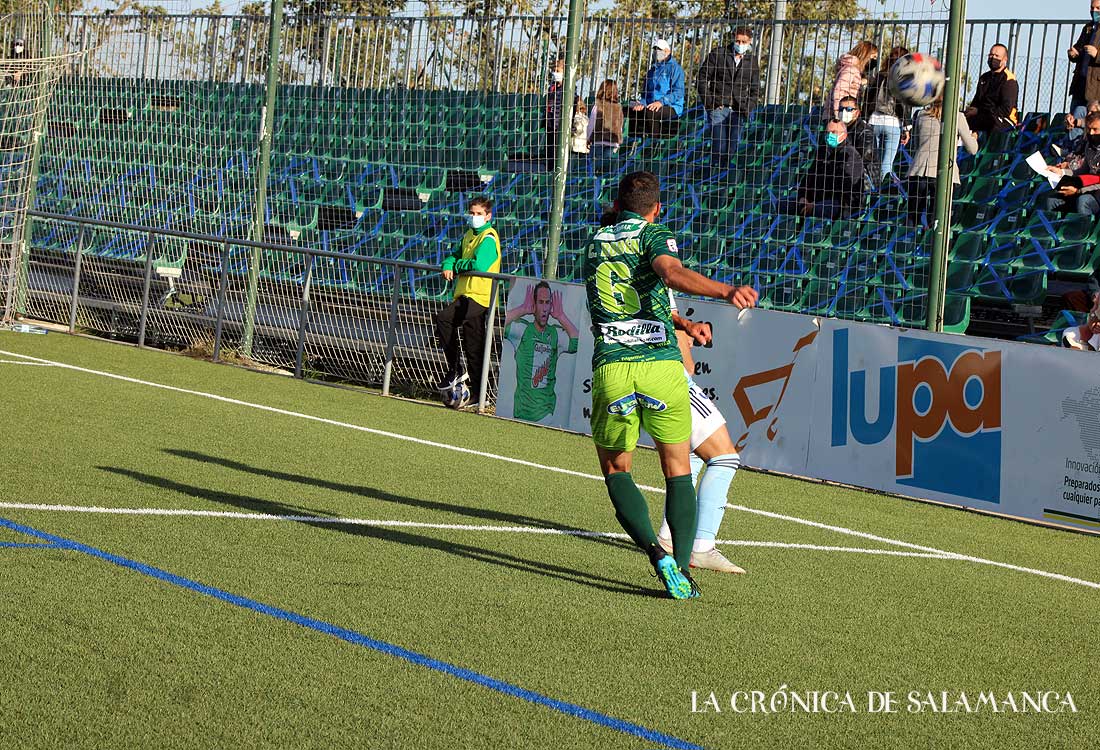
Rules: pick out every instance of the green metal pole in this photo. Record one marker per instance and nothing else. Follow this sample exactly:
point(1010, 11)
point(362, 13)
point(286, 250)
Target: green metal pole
point(561, 160)
point(37, 131)
point(266, 135)
point(946, 167)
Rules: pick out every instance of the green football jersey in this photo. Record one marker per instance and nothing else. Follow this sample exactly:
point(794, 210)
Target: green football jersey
point(628, 301)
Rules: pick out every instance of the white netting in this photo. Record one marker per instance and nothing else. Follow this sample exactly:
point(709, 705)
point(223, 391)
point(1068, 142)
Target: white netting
point(385, 127)
point(29, 72)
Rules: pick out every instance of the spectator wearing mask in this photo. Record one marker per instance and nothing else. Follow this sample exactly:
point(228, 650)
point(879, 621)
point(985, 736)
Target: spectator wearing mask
point(729, 88)
point(578, 141)
point(605, 124)
point(887, 115)
point(1077, 193)
point(551, 117)
point(861, 137)
point(460, 326)
point(18, 51)
point(658, 115)
point(921, 183)
point(861, 61)
point(1085, 82)
point(994, 105)
point(833, 187)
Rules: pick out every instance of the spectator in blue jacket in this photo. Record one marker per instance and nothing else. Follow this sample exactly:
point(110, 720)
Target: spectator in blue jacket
point(659, 114)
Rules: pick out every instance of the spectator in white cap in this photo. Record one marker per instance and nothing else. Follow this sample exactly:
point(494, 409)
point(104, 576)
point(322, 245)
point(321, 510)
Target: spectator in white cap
point(659, 113)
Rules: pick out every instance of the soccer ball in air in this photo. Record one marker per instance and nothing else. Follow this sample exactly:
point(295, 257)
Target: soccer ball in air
point(916, 79)
point(458, 396)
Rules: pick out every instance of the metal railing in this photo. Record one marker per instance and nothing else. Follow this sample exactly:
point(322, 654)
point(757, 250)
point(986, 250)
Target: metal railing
point(407, 324)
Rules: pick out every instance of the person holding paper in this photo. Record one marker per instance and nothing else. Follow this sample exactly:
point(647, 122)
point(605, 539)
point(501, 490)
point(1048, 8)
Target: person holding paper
point(1078, 188)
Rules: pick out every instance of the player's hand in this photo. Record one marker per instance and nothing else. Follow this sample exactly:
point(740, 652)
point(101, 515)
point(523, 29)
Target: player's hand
point(1071, 122)
point(555, 305)
point(742, 297)
point(528, 307)
point(905, 137)
point(1090, 50)
point(1068, 191)
point(1073, 53)
point(448, 275)
point(699, 332)
point(654, 106)
point(1055, 170)
point(637, 107)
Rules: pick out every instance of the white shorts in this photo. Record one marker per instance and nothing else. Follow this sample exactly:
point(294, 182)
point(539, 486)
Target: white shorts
point(705, 417)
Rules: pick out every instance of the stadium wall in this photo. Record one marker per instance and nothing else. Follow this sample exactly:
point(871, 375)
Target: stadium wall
point(999, 427)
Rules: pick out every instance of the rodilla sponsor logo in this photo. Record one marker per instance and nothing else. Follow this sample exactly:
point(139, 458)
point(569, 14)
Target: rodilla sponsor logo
point(941, 404)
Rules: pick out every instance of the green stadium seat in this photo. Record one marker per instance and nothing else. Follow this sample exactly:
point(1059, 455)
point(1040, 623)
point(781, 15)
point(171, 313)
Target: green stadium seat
point(956, 313)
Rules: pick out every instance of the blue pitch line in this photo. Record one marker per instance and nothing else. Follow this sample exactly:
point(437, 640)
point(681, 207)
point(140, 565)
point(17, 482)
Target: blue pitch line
point(22, 545)
point(351, 636)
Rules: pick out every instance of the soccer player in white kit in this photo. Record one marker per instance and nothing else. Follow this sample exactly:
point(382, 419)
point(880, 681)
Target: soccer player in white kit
point(712, 448)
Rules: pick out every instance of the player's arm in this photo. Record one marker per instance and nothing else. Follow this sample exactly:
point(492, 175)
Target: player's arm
point(699, 332)
point(675, 276)
point(526, 307)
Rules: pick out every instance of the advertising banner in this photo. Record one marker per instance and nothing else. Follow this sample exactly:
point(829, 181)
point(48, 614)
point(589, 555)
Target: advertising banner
point(991, 425)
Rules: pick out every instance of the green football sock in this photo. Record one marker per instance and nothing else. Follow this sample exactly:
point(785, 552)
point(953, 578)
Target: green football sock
point(681, 512)
point(631, 509)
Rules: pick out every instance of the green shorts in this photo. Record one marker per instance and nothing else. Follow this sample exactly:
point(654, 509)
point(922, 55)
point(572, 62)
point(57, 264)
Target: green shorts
point(630, 395)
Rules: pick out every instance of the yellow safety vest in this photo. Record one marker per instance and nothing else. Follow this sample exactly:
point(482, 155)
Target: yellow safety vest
point(477, 288)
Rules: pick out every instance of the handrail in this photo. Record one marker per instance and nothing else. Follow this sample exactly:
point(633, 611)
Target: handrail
point(214, 239)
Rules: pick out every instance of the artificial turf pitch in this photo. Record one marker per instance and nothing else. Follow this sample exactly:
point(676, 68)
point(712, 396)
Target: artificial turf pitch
point(446, 622)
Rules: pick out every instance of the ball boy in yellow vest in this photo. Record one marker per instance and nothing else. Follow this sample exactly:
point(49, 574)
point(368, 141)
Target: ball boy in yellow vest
point(479, 250)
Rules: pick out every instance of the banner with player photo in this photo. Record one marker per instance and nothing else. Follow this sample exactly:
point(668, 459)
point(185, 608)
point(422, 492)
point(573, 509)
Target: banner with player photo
point(539, 356)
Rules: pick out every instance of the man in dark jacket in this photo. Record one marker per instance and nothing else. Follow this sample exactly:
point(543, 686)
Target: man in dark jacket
point(995, 100)
point(1085, 83)
point(729, 87)
point(861, 137)
point(833, 188)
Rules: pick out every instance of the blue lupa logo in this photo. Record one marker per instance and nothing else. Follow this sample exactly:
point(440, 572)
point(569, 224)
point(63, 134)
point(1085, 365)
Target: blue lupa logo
point(942, 405)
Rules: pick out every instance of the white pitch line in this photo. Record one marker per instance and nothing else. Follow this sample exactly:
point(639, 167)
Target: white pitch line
point(236, 515)
point(26, 364)
point(545, 467)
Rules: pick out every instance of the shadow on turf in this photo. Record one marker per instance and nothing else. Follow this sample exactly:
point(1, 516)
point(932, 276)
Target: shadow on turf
point(375, 494)
point(391, 535)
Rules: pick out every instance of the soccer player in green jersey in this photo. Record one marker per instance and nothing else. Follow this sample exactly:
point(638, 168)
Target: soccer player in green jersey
point(638, 375)
point(538, 345)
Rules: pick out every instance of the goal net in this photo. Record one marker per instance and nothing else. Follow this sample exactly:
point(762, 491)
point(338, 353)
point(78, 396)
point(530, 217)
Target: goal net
point(29, 72)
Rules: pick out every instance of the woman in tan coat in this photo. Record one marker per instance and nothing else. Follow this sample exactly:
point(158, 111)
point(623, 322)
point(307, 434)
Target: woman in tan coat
point(921, 185)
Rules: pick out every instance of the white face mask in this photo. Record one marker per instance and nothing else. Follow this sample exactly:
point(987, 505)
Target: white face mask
point(478, 221)
point(847, 117)
point(660, 55)
point(741, 48)
point(19, 49)
point(558, 76)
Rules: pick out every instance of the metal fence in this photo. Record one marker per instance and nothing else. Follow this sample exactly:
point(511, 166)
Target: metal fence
point(307, 321)
point(381, 130)
point(512, 54)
